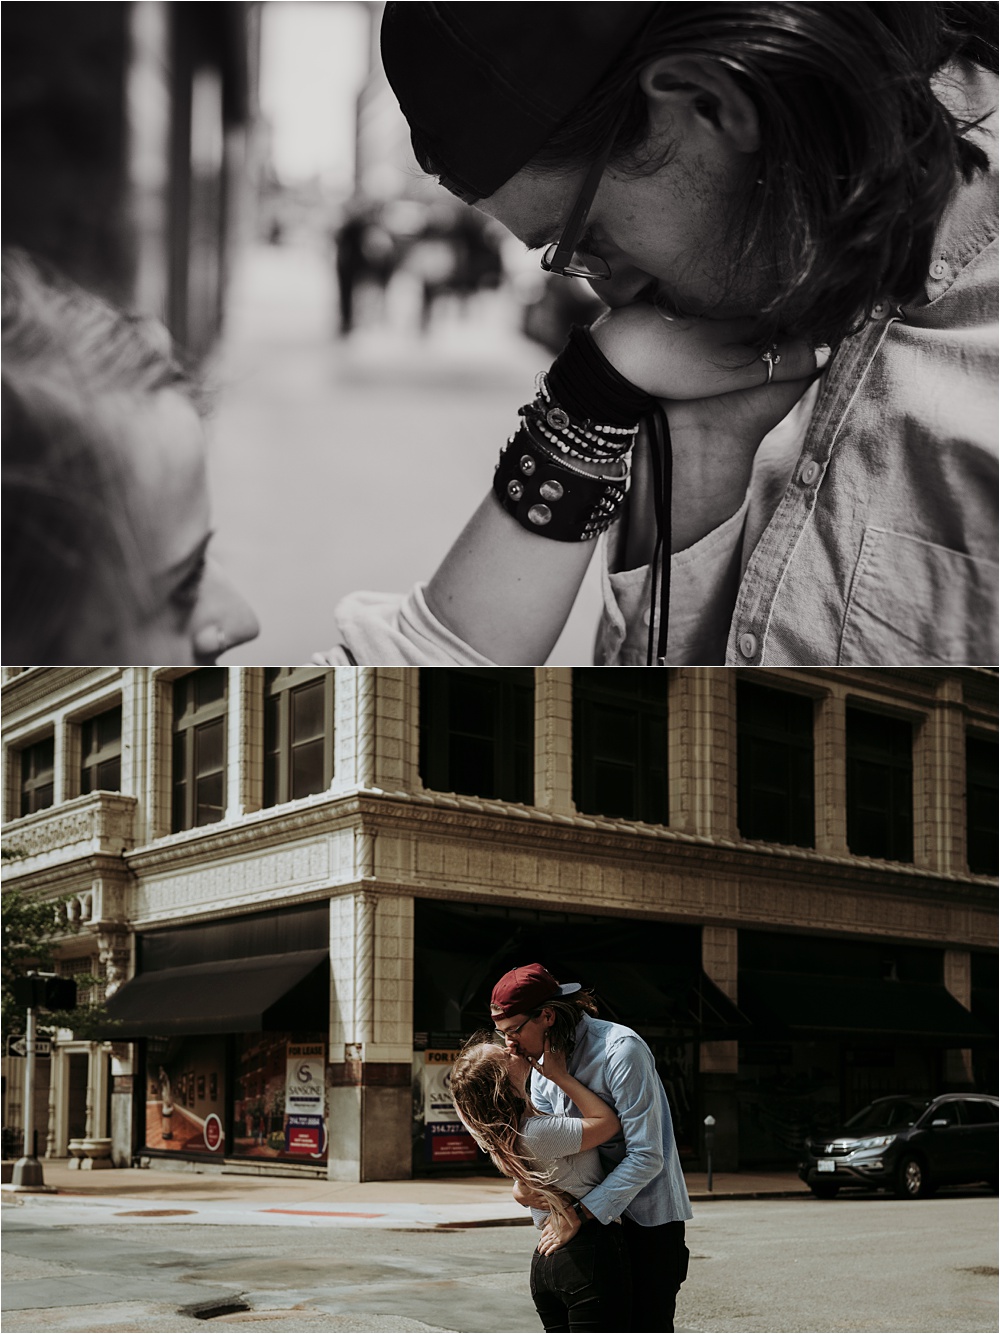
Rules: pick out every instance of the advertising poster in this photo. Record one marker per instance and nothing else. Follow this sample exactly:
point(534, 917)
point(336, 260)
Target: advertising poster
point(184, 1109)
point(305, 1098)
point(446, 1140)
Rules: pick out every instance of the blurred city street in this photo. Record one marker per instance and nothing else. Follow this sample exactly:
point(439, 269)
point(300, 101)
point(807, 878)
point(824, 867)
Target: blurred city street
point(343, 463)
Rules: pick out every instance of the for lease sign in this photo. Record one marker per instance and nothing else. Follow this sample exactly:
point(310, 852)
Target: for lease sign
point(304, 1081)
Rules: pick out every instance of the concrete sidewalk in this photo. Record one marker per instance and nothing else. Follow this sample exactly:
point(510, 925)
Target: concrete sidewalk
point(439, 1203)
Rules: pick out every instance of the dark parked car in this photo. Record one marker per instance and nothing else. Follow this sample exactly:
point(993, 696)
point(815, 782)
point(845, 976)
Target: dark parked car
point(909, 1145)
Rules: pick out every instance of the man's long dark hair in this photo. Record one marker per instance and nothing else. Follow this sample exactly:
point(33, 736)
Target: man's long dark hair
point(858, 156)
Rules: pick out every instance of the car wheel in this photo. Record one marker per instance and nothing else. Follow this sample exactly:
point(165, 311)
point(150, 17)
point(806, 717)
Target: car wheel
point(823, 1190)
point(912, 1180)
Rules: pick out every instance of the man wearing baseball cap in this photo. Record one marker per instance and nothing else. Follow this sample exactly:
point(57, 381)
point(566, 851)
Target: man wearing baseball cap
point(744, 185)
point(644, 1186)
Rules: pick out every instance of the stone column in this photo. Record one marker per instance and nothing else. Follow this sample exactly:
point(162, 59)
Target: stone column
point(830, 767)
point(554, 739)
point(371, 1036)
point(702, 751)
point(158, 766)
point(136, 742)
point(376, 738)
point(939, 783)
point(246, 741)
point(122, 1084)
point(719, 1060)
point(62, 782)
point(958, 980)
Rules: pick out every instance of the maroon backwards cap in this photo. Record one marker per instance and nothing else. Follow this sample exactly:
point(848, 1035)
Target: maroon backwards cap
point(524, 989)
point(484, 85)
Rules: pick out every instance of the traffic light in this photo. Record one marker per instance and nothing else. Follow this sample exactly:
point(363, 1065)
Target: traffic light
point(45, 992)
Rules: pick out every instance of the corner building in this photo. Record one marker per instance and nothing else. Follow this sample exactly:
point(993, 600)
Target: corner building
point(294, 887)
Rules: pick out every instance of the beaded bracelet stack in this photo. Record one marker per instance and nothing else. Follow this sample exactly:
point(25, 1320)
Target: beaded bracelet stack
point(537, 483)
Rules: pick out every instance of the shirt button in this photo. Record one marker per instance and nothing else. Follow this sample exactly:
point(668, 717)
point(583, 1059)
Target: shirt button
point(809, 473)
point(939, 268)
point(879, 310)
point(647, 616)
point(748, 645)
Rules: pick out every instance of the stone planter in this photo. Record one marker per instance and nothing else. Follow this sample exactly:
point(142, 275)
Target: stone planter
point(97, 1154)
point(76, 1153)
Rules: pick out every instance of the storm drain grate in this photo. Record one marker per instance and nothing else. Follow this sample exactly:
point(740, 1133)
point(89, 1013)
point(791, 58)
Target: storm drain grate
point(212, 1310)
point(155, 1213)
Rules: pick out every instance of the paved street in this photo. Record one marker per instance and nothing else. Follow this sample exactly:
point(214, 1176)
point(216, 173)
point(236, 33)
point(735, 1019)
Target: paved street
point(868, 1264)
point(339, 465)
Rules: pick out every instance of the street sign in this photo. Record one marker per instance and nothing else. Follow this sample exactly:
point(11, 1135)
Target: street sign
point(18, 1046)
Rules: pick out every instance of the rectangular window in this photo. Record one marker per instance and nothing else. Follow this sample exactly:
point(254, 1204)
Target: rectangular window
point(774, 749)
point(620, 743)
point(298, 732)
point(37, 776)
point(199, 748)
point(477, 731)
point(101, 752)
point(981, 799)
point(879, 786)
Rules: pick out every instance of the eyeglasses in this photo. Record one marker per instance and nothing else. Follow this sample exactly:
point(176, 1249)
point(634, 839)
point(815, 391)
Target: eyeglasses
point(563, 257)
point(504, 1034)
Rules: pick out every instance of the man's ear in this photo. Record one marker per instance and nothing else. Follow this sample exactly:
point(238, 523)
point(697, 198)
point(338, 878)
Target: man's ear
point(700, 90)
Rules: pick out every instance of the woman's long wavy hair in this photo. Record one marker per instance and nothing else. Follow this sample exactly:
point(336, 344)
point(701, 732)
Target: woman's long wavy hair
point(491, 1108)
point(858, 156)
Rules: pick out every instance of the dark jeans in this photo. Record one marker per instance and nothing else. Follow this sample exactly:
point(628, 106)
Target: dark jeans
point(585, 1285)
point(659, 1263)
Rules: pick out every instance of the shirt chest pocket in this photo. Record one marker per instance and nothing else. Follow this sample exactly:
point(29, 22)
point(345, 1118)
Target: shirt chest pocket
point(913, 602)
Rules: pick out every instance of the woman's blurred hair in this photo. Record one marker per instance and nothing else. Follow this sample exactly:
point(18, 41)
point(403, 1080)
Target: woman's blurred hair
point(491, 1109)
point(858, 156)
point(74, 371)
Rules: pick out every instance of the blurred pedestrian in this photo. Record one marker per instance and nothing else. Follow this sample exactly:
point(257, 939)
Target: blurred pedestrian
point(105, 506)
point(744, 185)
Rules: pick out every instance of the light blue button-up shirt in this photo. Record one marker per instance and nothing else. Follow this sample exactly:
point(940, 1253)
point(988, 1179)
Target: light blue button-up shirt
point(644, 1180)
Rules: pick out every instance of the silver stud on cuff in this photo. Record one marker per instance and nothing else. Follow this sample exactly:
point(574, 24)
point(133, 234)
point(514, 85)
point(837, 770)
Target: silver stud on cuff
point(539, 514)
point(551, 490)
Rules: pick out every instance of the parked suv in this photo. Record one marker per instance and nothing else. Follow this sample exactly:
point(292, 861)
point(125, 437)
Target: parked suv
point(909, 1145)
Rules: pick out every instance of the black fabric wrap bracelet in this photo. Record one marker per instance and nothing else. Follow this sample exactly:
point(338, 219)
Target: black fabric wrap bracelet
point(586, 384)
point(549, 496)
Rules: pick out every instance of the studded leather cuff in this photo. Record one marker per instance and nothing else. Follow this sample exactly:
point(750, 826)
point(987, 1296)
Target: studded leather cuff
point(549, 496)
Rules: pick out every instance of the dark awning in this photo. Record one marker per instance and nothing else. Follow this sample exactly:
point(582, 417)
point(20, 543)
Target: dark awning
point(269, 993)
point(783, 1004)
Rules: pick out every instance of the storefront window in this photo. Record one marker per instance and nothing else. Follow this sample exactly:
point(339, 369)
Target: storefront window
point(275, 1108)
point(279, 1102)
point(186, 1095)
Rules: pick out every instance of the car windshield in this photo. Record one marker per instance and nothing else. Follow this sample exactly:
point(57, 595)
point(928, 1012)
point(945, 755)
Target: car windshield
point(890, 1114)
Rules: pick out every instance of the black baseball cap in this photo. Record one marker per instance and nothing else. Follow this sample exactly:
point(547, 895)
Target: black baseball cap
point(483, 86)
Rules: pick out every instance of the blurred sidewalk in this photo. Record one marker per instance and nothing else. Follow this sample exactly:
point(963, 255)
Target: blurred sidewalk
point(343, 464)
point(439, 1203)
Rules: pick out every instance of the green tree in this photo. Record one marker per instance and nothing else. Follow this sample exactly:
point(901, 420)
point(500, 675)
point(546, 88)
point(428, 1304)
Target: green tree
point(31, 929)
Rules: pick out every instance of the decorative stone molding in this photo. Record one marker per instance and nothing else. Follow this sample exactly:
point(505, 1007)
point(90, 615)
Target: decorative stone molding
point(100, 822)
point(115, 955)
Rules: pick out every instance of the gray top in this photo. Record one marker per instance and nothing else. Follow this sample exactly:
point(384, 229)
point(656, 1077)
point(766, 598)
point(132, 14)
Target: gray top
point(551, 1144)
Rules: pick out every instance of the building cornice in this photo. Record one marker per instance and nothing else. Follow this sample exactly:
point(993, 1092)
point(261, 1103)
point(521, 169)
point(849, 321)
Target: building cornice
point(51, 687)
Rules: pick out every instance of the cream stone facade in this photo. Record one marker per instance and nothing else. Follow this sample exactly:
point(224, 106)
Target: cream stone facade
point(376, 844)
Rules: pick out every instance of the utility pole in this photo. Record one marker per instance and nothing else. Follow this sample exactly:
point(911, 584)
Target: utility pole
point(53, 993)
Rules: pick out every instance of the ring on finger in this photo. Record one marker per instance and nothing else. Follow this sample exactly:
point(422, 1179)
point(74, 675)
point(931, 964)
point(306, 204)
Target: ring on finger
point(771, 358)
